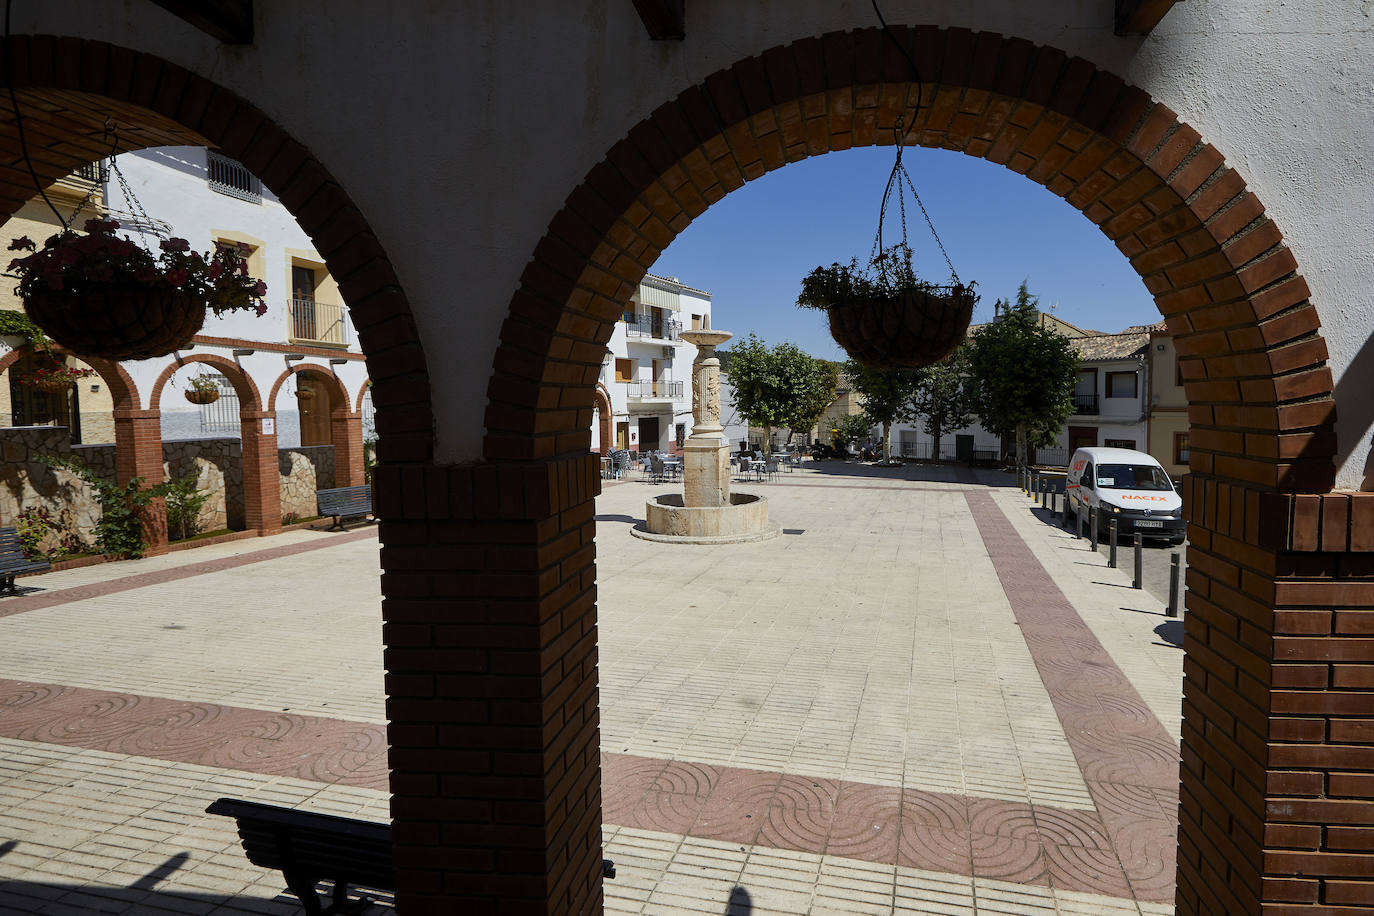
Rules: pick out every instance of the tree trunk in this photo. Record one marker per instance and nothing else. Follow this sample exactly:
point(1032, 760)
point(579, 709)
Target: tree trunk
point(935, 443)
point(887, 441)
point(767, 440)
point(1022, 458)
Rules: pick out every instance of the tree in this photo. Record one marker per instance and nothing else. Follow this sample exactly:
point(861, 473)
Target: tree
point(1023, 374)
point(819, 394)
point(943, 397)
point(778, 387)
point(848, 428)
point(888, 395)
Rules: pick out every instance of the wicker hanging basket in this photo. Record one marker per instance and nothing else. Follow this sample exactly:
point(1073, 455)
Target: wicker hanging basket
point(912, 329)
point(202, 395)
point(119, 322)
point(305, 393)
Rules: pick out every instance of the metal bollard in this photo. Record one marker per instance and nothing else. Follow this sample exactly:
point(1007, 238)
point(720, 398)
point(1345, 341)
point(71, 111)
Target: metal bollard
point(1078, 522)
point(1111, 556)
point(1173, 586)
point(1043, 496)
point(1092, 528)
point(1139, 564)
point(1064, 511)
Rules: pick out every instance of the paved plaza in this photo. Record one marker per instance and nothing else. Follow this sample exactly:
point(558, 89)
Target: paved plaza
point(920, 698)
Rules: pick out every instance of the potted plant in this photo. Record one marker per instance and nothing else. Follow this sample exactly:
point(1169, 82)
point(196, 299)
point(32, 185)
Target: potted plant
point(100, 295)
point(886, 316)
point(55, 378)
point(305, 390)
point(202, 389)
point(16, 330)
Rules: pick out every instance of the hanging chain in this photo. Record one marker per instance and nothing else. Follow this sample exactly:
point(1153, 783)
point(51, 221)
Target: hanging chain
point(146, 223)
point(899, 175)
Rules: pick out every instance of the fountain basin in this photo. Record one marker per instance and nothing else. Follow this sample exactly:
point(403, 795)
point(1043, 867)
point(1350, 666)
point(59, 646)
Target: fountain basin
point(667, 520)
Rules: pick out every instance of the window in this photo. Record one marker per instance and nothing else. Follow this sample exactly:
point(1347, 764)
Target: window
point(628, 316)
point(1087, 382)
point(1121, 443)
point(696, 322)
point(624, 370)
point(1121, 384)
point(1181, 452)
point(229, 177)
point(1087, 480)
point(1178, 372)
point(1133, 477)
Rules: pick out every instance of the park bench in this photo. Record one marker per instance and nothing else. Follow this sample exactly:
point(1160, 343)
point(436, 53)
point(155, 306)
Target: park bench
point(308, 848)
point(344, 502)
point(12, 559)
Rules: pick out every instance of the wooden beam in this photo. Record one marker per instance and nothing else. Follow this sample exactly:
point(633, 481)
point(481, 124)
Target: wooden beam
point(1139, 17)
point(665, 20)
point(230, 21)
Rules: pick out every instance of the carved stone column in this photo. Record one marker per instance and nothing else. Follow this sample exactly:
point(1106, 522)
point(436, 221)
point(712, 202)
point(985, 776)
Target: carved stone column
point(706, 453)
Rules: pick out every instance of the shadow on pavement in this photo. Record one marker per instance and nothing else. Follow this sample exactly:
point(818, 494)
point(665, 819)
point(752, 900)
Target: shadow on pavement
point(740, 902)
point(1171, 632)
point(627, 519)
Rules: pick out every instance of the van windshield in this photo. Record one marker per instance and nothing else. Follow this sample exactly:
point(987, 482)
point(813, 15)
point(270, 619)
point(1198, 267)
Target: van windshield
point(1133, 477)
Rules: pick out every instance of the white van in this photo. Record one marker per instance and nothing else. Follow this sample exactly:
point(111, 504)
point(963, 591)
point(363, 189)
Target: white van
point(1129, 486)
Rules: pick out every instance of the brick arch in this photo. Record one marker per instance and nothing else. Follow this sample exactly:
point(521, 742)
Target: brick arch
point(603, 413)
point(76, 84)
point(362, 393)
point(1253, 360)
point(123, 391)
point(244, 387)
point(339, 398)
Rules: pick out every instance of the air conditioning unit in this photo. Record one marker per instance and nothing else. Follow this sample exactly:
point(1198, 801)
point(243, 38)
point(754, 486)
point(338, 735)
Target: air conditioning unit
point(669, 352)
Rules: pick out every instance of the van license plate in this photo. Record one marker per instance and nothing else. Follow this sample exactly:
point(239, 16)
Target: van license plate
point(1149, 524)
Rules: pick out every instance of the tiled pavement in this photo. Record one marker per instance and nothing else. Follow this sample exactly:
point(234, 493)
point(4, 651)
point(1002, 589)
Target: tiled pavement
point(919, 700)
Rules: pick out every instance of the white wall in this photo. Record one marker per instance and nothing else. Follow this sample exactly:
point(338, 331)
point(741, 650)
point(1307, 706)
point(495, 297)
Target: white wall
point(435, 121)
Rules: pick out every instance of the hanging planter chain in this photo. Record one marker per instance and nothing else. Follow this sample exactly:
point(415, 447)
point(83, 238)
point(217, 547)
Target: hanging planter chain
point(899, 175)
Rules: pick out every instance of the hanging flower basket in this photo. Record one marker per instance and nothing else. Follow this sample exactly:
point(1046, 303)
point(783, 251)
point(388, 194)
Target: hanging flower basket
point(305, 392)
point(197, 396)
point(55, 378)
point(99, 295)
point(907, 330)
point(119, 322)
point(887, 317)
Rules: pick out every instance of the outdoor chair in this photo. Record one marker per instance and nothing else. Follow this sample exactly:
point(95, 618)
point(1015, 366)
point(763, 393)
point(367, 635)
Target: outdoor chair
point(772, 467)
point(656, 469)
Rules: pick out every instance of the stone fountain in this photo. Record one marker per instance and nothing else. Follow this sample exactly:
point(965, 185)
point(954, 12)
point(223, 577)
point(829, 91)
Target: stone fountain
point(706, 512)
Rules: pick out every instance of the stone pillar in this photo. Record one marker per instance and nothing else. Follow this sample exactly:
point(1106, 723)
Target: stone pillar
point(346, 433)
point(138, 453)
point(489, 620)
point(261, 474)
point(706, 453)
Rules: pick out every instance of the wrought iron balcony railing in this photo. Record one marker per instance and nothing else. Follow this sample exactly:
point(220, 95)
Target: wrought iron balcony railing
point(659, 330)
point(318, 322)
point(641, 391)
point(1085, 405)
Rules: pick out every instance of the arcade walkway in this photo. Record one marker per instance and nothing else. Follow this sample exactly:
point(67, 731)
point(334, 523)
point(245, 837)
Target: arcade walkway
point(918, 699)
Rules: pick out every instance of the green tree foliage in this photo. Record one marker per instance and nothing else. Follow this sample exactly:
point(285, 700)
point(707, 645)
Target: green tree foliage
point(819, 394)
point(778, 387)
point(943, 398)
point(887, 394)
point(184, 502)
point(1023, 375)
point(849, 428)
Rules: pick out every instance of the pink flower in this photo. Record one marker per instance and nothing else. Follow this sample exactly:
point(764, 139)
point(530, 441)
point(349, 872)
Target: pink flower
point(175, 245)
point(177, 276)
point(216, 268)
point(122, 248)
point(260, 290)
point(243, 268)
point(68, 255)
point(146, 274)
point(261, 309)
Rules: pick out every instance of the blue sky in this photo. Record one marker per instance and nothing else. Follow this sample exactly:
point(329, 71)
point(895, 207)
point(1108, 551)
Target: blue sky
point(751, 249)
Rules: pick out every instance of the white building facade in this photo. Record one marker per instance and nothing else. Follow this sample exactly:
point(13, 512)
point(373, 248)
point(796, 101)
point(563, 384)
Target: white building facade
point(644, 396)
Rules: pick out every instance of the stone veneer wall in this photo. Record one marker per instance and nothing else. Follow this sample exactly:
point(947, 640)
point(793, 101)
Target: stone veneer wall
point(218, 466)
point(25, 483)
point(303, 471)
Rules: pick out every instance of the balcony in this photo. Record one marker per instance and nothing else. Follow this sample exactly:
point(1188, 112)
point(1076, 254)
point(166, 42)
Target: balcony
point(653, 391)
point(318, 322)
point(229, 177)
point(87, 179)
point(656, 330)
point(1085, 405)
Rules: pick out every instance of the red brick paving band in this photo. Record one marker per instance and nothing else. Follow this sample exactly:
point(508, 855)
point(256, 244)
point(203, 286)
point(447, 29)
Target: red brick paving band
point(21, 604)
point(1027, 844)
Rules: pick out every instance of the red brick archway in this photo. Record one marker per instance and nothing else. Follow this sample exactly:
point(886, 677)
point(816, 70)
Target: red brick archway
point(603, 420)
point(345, 426)
point(1263, 557)
point(257, 430)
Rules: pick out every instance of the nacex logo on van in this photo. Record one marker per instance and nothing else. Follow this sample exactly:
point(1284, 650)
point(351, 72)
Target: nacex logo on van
point(1157, 499)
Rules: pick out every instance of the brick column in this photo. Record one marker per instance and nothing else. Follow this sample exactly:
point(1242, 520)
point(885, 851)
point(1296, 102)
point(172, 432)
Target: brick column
point(346, 432)
point(1277, 805)
point(490, 609)
point(261, 474)
point(138, 453)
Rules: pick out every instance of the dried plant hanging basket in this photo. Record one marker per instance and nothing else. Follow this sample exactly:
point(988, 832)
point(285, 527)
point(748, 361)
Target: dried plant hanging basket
point(119, 322)
point(305, 392)
point(912, 329)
